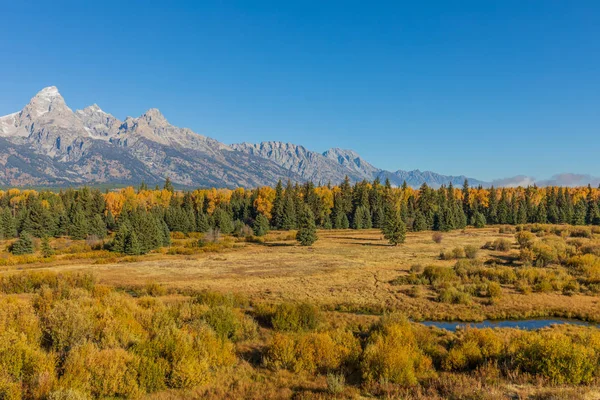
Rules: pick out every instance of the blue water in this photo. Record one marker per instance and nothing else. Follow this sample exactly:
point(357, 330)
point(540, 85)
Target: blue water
point(527, 324)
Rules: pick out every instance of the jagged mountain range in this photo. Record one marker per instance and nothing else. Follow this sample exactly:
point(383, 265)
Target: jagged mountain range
point(48, 144)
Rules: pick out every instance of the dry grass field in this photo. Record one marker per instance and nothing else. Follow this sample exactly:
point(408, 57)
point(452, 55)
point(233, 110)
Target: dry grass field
point(345, 270)
point(353, 277)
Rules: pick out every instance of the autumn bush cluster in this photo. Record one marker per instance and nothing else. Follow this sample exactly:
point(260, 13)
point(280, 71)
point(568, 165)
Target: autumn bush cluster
point(64, 336)
point(74, 338)
point(540, 258)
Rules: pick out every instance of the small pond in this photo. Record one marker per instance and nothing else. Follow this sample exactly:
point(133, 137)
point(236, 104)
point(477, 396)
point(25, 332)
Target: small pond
point(527, 324)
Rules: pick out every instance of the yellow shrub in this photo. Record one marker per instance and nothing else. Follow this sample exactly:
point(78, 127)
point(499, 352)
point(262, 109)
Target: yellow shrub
point(555, 356)
point(392, 355)
point(10, 389)
point(472, 348)
point(525, 239)
point(19, 315)
point(69, 324)
point(26, 363)
point(282, 352)
point(312, 352)
point(588, 265)
point(101, 373)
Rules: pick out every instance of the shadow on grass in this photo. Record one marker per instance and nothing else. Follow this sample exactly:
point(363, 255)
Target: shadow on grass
point(354, 238)
point(374, 244)
point(277, 244)
point(252, 356)
point(508, 261)
point(307, 389)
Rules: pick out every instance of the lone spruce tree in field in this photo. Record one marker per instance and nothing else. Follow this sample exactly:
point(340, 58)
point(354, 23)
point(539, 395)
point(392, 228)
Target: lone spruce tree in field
point(307, 233)
point(393, 228)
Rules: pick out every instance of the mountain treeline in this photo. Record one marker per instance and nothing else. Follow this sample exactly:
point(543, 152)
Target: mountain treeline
point(142, 219)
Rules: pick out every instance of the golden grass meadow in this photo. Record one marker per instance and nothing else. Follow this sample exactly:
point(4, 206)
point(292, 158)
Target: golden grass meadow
point(266, 318)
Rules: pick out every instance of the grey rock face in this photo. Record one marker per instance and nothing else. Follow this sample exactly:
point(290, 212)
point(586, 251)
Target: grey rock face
point(47, 143)
point(99, 125)
point(49, 125)
point(352, 161)
point(309, 165)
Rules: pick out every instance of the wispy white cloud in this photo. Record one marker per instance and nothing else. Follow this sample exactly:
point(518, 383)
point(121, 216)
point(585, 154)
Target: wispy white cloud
point(565, 179)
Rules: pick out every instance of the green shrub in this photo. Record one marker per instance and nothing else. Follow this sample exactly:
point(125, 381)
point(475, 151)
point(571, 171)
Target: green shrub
point(454, 296)
point(229, 323)
point(295, 317)
point(23, 245)
point(335, 383)
point(499, 245)
point(437, 274)
point(471, 252)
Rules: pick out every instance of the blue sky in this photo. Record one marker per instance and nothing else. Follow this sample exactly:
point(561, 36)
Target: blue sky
point(486, 89)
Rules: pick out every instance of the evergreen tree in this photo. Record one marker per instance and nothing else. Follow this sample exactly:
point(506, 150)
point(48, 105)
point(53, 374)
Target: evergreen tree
point(522, 213)
point(62, 224)
point(223, 221)
point(169, 185)
point(307, 232)
point(97, 227)
point(580, 213)
point(327, 224)
point(143, 187)
point(492, 210)
point(202, 224)
point(466, 201)
point(393, 229)
point(378, 217)
point(479, 220)
point(277, 210)
point(23, 245)
point(345, 198)
point(289, 209)
point(79, 225)
point(338, 213)
point(541, 215)
point(357, 218)
point(503, 216)
point(8, 225)
point(362, 218)
point(166, 234)
point(420, 223)
point(594, 214)
point(442, 220)
point(132, 245)
point(47, 250)
point(111, 224)
point(261, 225)
point(38, 221)
point(118, 243)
